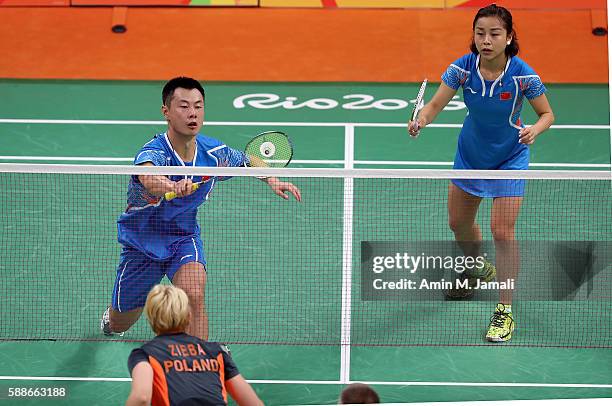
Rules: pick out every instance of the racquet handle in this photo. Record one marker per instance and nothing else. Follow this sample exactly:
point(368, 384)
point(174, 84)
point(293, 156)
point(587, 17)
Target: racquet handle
point(172, 195)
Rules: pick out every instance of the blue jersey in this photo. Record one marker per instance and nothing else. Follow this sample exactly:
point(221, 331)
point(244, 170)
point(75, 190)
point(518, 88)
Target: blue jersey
point(155, 226)
point(489, 136)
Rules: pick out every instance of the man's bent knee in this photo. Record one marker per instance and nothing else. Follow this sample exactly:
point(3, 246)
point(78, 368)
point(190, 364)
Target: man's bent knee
point(122, 321)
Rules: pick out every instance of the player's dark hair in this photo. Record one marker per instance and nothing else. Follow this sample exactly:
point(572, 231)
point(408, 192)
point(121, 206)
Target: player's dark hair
point(182, 82)
point(493, 10)
point(358, 393)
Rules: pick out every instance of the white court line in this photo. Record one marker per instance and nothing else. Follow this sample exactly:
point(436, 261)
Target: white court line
point(309, 382)
point(298, 161)
point(64, 158)
point(127, 159)
point(442, 163)
point(267, 123)
point(90, 122)
point(62, 378)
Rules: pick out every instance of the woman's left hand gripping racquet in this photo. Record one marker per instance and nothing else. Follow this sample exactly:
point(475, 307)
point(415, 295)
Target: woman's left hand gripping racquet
point(418, 105)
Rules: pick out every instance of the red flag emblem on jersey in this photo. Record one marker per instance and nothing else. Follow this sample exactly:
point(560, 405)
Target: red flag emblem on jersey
point(505, 96)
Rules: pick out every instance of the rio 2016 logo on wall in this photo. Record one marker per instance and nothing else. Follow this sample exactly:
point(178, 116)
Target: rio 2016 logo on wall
point(269, 101)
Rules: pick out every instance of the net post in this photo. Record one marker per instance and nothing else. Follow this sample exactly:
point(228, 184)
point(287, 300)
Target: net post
point(347, 257)
point(609, 4)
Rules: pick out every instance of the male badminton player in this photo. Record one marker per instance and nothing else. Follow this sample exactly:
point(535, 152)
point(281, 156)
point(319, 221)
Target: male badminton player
point(161, 237)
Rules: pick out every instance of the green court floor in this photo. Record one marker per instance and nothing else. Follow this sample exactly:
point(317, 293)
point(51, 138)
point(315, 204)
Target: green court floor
point(81, 122)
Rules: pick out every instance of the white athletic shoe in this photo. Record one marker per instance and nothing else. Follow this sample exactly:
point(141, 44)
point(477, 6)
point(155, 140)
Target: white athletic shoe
point(105, 324)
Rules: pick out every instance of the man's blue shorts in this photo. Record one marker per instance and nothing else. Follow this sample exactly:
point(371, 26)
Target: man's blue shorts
point(137, 273)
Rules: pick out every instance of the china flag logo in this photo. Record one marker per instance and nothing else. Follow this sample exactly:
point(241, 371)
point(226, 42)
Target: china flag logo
point(505, 96)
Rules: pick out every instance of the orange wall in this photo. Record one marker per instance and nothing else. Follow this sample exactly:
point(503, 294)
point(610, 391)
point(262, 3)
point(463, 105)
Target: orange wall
point(22, 3)
point(539, 4)
point(254, 44)
point(512, 4)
